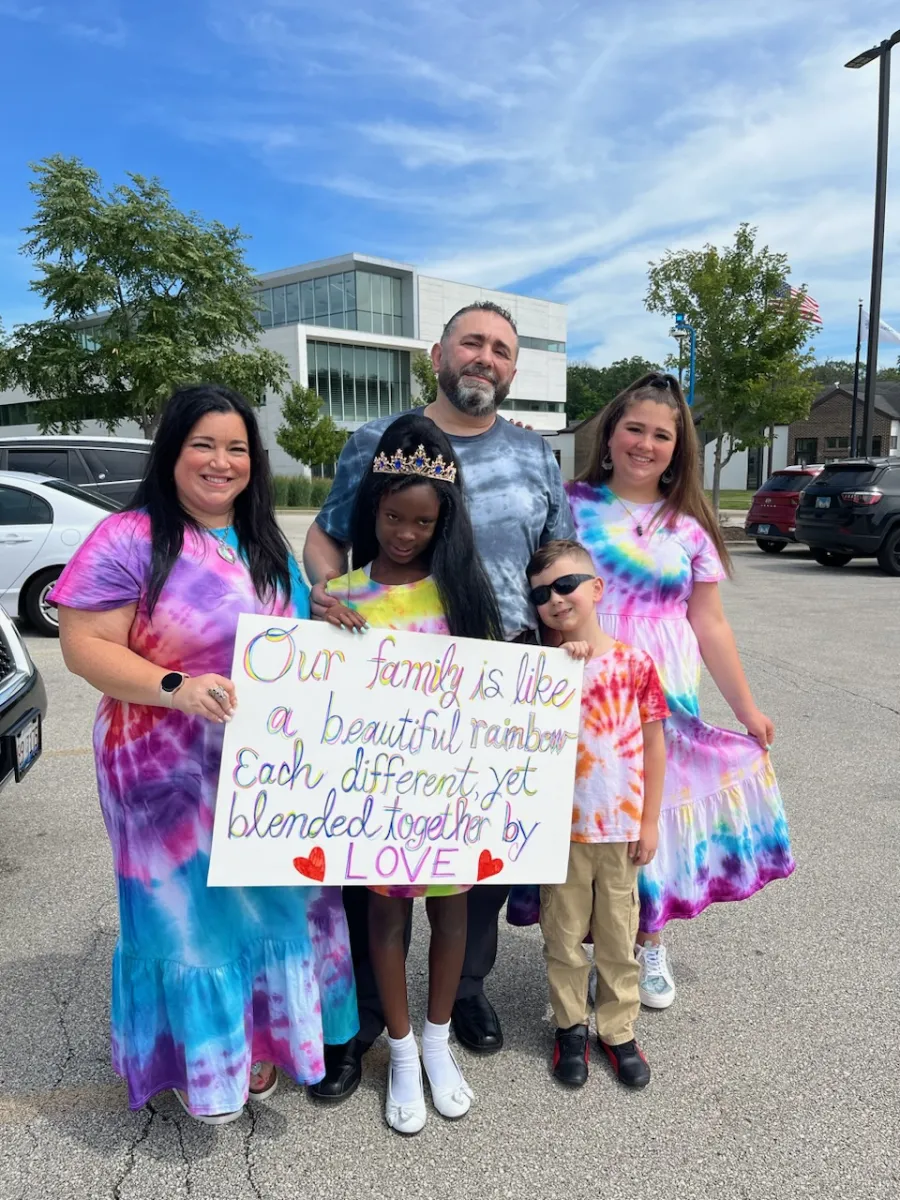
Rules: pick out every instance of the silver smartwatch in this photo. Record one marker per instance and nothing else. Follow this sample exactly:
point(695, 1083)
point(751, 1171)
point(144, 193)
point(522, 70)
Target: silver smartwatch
point(169, 685)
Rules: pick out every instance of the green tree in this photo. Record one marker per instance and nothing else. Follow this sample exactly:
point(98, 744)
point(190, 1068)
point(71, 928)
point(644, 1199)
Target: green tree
point(423, 373)
point(308, 435)
point(141, 298)
point(752, 368)
point(588, 389)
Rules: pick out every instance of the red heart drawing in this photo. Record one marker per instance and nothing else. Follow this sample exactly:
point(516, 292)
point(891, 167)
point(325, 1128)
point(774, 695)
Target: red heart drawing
point(488, 866)
point(314, 866)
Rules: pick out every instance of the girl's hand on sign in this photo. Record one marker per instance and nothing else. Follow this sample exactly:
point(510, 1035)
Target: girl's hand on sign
point(345, 618)
point(579, 650)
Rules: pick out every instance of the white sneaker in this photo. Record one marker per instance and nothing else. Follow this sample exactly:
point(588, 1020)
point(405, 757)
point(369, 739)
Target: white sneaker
point(656, 985)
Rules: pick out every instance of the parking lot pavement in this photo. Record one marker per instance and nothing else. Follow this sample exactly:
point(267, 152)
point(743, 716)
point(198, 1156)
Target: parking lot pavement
point(776, 1073)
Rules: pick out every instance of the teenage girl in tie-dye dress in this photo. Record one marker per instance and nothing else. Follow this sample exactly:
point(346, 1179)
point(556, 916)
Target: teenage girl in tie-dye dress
point(213, 988)
point(722, 831)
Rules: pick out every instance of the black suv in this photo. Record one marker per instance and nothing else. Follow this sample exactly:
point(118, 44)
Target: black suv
point(104, 466)
point(852, 510)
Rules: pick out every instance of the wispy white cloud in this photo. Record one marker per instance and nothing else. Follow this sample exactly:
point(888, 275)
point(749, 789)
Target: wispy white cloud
point(576, 141)
point(90, 22)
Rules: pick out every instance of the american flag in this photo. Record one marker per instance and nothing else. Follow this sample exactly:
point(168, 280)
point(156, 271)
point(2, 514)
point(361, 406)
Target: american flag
point(809, 308)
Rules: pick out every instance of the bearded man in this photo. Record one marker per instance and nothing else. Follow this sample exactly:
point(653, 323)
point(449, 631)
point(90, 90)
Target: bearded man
point(516, 503)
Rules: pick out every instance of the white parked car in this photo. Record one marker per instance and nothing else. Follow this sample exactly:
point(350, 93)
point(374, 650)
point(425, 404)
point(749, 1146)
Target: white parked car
point(42, 523)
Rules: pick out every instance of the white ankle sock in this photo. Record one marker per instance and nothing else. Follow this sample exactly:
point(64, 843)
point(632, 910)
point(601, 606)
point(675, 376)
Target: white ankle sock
point(439, 1066)
point(404, 1068)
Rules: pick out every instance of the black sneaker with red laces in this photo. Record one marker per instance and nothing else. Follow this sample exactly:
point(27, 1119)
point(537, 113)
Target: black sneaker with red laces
point(629, 1064)
point(570, 1056)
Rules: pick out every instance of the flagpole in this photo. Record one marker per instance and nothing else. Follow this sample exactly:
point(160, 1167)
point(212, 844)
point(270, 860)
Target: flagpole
point(855, 400)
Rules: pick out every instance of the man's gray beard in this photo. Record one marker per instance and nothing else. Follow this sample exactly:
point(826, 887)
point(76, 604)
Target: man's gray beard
point(474, 399)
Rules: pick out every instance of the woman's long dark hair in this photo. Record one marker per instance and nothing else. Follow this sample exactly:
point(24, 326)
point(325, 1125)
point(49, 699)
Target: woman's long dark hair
point(262, 544)
point(467, 596)
point(683, 493)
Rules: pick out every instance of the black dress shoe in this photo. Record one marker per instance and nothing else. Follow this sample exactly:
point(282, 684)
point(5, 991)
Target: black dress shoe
point(570, 1056)
point(476, 1025)
point(343, 1071)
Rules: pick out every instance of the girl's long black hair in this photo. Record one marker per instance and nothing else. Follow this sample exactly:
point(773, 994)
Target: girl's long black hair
point(262, 544)
point(467, 596)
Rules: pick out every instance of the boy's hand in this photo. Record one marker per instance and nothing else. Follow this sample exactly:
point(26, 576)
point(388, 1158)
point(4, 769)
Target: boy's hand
point(579, 650)
point(345, 618)
point(643, 850)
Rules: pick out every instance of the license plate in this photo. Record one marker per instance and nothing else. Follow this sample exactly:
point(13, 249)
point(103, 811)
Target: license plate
point(823, 502)
point(27, 746)
point(763, 528)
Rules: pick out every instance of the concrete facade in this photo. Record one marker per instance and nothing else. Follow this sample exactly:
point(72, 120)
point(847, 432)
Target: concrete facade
point(335, 326)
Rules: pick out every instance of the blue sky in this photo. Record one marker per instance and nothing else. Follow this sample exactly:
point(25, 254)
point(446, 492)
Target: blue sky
point(547, 147)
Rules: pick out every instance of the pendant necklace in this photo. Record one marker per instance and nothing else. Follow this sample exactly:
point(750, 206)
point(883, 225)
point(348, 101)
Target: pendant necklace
point(637, 522)
point(222, 548)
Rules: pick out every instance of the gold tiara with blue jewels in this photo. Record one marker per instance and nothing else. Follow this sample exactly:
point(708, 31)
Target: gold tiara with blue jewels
point(419, 463)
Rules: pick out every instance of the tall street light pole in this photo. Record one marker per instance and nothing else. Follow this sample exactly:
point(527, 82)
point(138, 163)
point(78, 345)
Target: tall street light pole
point(681, 324)
point(883, 54)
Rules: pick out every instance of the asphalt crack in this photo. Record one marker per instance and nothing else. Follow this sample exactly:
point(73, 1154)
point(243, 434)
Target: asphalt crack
point(248, 1143)
point(63, 1002)
point(131, 1154)
point(789, 674)
point(179, 1133)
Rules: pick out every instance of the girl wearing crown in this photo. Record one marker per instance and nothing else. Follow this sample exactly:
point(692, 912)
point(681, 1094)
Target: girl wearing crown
point(416, 569)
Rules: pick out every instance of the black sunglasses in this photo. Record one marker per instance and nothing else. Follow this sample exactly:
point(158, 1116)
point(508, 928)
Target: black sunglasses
point(564, 586)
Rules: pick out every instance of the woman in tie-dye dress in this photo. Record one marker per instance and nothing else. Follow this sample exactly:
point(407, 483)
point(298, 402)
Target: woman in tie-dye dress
point(213, 988)
point(640, 511)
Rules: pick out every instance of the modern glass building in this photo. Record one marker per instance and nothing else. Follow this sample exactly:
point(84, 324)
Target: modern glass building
point(349, 328)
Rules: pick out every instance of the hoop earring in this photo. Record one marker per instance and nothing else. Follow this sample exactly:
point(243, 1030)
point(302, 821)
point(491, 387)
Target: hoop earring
point(667, 476)
point(607, 463)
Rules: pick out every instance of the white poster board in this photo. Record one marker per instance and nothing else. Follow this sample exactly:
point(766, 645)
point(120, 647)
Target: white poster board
point(395, 759)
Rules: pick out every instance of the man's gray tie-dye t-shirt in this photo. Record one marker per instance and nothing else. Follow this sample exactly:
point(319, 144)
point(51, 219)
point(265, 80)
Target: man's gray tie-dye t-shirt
point(515, 498)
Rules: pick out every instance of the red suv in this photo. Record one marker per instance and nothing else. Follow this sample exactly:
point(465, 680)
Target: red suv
point(773, 511)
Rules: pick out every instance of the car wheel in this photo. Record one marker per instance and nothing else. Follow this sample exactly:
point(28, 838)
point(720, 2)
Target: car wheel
point(42, 615)
point(831, 558)
point(889, 554)
point(769, 546)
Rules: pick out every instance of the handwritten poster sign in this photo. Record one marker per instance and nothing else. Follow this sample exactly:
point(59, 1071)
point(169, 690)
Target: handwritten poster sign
point(394, 758)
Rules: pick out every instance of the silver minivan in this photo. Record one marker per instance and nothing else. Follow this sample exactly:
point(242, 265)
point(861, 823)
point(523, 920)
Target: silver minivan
point(111, 467)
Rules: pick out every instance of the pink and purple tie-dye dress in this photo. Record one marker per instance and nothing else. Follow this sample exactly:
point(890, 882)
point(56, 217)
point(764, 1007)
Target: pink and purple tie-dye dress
point(723, 833)
point(205, 980)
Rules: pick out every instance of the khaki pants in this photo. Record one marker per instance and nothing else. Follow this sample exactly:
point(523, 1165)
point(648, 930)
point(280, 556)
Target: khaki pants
point(600, 894)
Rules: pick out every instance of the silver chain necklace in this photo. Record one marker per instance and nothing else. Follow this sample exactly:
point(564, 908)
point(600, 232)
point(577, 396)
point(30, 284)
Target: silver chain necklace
point(638, 522)
point(222, 548)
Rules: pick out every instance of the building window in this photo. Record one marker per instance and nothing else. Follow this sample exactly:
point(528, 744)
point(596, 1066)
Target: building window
point(533, 406)
point(893, 441)
point(532, 343)
point(876, 447)
point(837, 443)
point(345, 300)
point(754, 468)
point(805, 450)
point(358, 383)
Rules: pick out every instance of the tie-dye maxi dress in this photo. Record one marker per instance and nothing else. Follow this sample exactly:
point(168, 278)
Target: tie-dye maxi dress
point(722, 831)
point(205, 980)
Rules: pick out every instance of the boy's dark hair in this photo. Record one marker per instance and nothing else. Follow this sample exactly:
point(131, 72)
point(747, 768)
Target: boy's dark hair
point(467, 596)
point(552, 552)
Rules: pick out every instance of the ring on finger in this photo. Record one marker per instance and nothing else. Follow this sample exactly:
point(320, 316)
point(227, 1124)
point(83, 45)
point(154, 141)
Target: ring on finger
point(218, 693)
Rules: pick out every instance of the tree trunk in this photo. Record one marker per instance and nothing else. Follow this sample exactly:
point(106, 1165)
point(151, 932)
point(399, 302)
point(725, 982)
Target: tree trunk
point(149, 425)
point(717, 473)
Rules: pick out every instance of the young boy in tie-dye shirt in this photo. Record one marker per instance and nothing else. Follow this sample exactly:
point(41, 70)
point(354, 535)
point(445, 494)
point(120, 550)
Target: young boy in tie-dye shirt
point(618, 792)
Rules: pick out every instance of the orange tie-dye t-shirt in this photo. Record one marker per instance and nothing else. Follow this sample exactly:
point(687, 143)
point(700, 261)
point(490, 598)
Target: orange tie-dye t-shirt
point(621, 692)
